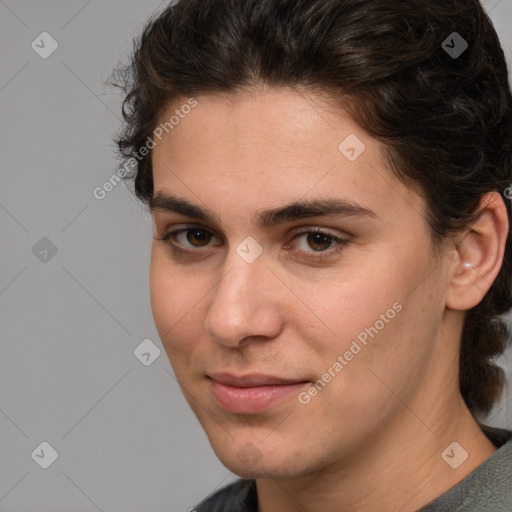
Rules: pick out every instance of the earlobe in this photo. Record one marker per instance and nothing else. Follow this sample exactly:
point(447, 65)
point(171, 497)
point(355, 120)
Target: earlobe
point(479, 255)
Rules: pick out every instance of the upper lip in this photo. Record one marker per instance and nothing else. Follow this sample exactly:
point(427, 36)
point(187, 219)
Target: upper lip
point(252, 380)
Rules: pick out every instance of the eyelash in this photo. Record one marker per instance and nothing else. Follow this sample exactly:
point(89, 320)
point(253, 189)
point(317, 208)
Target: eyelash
point(319, 256)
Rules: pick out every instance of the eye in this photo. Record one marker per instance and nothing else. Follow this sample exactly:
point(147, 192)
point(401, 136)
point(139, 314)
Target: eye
point(317, 240)
point(196, 236)
point(321, 242)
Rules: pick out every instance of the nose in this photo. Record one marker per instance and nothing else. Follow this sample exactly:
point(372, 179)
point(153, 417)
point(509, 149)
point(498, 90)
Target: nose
point(245, 303)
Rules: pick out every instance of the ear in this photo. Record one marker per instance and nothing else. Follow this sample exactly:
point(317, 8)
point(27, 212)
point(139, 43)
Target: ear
point(479, 255)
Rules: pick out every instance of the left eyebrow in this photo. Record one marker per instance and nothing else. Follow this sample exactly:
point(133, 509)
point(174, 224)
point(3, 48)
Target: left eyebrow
point(313, 208)
point(267, 218)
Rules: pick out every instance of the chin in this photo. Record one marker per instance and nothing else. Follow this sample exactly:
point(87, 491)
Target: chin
point(252, 462)
point(262, 469)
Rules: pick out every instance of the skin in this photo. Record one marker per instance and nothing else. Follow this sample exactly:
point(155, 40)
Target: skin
point(372, 438)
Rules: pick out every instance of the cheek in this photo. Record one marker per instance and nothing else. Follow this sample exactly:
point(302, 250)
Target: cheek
point(161, 299)
point(346, 306)
point(387, 356)
point(171, 302)
point(177, 301)
point(371, 319)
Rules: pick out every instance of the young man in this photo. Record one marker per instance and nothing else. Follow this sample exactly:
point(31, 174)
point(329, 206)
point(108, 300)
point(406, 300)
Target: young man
point(331, 254)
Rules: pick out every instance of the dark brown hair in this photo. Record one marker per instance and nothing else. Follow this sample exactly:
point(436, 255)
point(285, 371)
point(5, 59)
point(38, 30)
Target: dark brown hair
point(445, 119)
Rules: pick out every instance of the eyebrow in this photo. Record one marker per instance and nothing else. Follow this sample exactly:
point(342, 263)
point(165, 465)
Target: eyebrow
point(298, 210)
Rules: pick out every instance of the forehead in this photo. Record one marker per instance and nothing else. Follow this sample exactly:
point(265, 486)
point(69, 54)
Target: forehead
point(289, 121)
point(272, 147)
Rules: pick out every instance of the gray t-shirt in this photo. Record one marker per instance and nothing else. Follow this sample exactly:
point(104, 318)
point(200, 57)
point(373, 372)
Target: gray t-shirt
point(486, 488)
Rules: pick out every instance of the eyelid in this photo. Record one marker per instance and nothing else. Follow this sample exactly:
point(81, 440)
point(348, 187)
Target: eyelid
point(317, 229)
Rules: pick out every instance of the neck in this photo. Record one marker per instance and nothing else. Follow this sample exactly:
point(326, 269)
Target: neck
point(401, 468)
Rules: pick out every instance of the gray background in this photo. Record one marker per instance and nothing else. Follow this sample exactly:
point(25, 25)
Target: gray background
point(125, 437)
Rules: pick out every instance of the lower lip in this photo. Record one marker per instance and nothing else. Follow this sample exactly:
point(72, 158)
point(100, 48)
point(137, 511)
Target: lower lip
point(252, 400)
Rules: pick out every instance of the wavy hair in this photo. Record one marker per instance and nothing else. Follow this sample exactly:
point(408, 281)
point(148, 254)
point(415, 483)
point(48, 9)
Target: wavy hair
point(444, 119)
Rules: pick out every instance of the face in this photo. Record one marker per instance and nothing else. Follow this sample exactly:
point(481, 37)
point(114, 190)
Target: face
point(291, 330)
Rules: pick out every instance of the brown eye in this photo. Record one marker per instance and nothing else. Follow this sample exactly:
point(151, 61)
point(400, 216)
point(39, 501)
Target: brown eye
point(319, 241)
point(198, 237)
point(318, 246)
point(189, 239)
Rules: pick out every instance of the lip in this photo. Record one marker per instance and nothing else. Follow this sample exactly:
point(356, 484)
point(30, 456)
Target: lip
point(251, 394)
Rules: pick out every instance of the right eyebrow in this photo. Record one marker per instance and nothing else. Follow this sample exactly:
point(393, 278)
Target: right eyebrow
point(170, 203)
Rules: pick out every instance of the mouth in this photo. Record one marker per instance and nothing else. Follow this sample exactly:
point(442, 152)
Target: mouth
point(252, 394)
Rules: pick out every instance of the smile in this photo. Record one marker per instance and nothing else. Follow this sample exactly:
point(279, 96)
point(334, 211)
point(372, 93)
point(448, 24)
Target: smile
point(251, 394)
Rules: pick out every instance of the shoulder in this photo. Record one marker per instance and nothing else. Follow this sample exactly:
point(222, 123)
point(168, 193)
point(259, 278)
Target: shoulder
point(239, 496)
